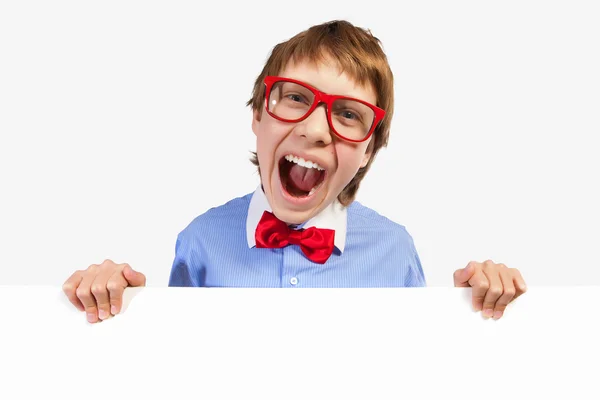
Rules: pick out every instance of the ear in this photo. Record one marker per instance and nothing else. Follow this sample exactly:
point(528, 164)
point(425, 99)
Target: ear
point(366, 159)
point(255, 121)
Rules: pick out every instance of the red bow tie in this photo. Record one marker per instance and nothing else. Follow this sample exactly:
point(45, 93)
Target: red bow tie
point(316, 243)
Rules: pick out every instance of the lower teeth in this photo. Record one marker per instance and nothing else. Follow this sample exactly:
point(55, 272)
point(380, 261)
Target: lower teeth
point(312, 191)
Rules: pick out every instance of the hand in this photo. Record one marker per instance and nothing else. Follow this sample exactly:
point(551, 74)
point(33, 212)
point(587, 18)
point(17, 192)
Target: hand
point(494, 286)
point(99, 289)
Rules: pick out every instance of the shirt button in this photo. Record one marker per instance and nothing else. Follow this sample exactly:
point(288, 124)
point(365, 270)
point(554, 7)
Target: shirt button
point(294, 280)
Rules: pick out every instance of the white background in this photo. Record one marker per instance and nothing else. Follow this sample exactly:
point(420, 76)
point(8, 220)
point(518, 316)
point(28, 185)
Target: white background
point(121, 121)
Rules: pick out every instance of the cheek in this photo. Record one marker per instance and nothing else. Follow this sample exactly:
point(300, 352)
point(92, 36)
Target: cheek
point(350, 156)
point(268, 137)
point(349, 159)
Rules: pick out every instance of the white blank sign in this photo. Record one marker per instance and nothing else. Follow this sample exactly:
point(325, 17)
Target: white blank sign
point(300, 344)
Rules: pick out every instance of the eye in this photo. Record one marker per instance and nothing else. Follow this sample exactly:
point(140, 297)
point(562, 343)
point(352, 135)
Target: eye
point(349, 115)
point(296, 98)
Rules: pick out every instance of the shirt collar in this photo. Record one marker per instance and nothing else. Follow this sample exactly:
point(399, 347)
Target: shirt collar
point(333, 217)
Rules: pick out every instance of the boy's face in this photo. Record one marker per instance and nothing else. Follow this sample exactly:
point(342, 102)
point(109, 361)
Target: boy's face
point(312, 140)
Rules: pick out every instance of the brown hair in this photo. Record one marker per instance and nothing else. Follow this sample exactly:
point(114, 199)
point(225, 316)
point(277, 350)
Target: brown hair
point(359, 54)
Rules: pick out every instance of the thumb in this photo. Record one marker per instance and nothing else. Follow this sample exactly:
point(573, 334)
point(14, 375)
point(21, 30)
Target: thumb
point(462, 276)
point(134, 278)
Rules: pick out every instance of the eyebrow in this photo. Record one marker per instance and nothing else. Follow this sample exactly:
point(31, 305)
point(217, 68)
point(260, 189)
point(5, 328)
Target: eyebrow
point(334, 94)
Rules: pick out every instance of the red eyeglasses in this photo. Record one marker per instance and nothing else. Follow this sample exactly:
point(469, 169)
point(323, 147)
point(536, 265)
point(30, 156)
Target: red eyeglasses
point(290, 100)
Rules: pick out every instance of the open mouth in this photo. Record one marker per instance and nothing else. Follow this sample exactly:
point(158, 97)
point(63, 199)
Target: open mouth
point(300, 178)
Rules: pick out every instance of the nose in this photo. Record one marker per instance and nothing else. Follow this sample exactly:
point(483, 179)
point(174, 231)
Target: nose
point(315, 127)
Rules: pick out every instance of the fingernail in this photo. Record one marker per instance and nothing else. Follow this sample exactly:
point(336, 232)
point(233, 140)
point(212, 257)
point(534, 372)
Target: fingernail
point(497, 314)
point(91, 317)
point(102, 314)
point(113, 310)
point(488, 313)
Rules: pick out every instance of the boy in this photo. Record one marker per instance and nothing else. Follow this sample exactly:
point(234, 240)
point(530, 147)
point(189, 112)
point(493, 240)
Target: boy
point(322, 109)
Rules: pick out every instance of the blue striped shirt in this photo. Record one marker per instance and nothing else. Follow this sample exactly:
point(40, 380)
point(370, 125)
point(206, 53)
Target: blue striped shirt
point(217, 250)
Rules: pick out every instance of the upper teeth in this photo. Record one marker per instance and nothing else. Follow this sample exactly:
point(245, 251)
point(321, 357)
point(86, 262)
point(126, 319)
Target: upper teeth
point(303, 163)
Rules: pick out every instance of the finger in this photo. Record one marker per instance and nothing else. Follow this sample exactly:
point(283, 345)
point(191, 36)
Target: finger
point(494, 291)
point(480, 285)
point(462, 276)
point(134, 278)
point(84, 294)
point(508, 293)
point(116, 286)
point(518, 281)
point(70, 287)
point(100, 292)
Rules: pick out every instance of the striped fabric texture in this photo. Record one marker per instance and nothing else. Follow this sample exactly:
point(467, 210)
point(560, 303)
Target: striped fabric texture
point(213, 251)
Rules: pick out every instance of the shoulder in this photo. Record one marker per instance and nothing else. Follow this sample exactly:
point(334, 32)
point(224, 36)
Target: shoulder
point(231, 214)
point(207, 239)
point(388, 241)
point(365, 219)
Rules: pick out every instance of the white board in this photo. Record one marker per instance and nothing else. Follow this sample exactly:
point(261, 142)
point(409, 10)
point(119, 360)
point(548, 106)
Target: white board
point(300, 344)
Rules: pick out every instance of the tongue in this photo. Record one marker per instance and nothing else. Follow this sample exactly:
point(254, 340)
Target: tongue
point(304, 178)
